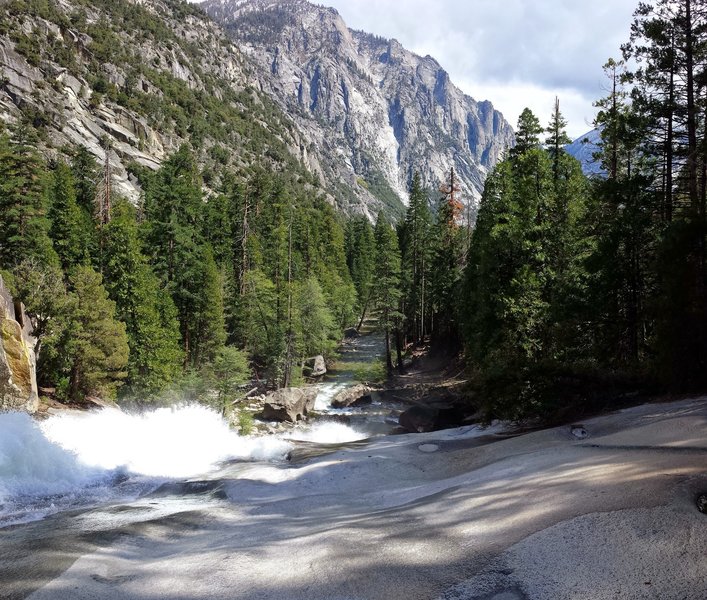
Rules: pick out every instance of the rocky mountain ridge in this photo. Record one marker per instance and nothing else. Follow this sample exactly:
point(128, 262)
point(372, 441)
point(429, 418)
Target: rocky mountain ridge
point(349, 114)
point(372, 110)
point(139, 78)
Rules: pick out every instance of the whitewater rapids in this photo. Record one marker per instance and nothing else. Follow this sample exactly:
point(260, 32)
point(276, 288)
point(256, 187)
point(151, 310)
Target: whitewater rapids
point(603, 510)
point(75, 459)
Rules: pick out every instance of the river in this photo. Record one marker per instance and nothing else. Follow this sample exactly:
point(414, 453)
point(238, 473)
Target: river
point(81, 459)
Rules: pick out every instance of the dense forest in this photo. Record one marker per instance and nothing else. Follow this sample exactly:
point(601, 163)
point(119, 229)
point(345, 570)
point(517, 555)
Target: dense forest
point(565, 290)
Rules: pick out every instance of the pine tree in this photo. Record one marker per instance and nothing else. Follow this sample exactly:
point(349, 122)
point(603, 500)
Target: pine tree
point(527, 133)
point(184, 262)
point(447, 261)
point(557, 138)
point(360, 257)
point(24, 225)
point(416, 258)
point(386, 290)
point(147, 310)
point(68, 228)
point(97, 349)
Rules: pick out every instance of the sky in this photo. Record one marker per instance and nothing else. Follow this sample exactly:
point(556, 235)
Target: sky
point(515, 53)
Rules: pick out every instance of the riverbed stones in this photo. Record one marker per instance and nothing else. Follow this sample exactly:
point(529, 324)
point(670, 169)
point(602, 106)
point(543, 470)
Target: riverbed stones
point(289, 404)
point(18, 368)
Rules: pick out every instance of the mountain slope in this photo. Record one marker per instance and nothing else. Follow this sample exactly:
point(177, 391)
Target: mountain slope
point(372, 111)
point(144, 77)
point(584, 148)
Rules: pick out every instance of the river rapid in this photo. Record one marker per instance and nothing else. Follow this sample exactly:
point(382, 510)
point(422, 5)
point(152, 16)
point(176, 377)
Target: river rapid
point(81, 459)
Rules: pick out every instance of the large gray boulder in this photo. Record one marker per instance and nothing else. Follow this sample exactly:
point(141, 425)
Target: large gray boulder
point(289, 404)
point(316, 366)
point(352, 396)
point(18, 365)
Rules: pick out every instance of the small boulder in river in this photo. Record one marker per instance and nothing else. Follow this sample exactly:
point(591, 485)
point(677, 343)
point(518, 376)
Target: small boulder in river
point(351, 332)
point(352, 396)
point(316, 366)
point(18, 378)
point(289, 404)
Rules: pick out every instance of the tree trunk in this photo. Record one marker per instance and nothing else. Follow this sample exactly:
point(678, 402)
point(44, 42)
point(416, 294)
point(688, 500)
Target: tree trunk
point(398, 349)
point(388, 358)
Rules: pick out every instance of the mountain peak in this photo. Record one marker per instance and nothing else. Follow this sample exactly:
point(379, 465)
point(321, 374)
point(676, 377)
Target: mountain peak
point(374, 112)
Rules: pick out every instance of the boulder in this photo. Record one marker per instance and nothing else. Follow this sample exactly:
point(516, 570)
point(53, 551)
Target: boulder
point(316, 366)
point(356, 395)
point(289, 404)
point(18, 366)
point(351, 332)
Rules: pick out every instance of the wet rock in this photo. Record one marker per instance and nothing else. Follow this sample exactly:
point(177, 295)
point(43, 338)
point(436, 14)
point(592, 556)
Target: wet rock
point(351, 332)
point(289, 404)
point(18, 367)
point(702, 503)
point(353, 396)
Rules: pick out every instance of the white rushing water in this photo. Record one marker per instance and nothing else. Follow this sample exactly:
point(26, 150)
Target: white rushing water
point(75, 459)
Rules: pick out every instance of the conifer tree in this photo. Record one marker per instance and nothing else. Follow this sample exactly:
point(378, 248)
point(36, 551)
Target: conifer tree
point(416, 260)
point(557, 138)
point(387, 281)
point(527, 133)
point(23, 202)
point(360, 257)
point(147, 310)
point(97, 349)
point(447, 261)
point(68, 228)
point(182, 259)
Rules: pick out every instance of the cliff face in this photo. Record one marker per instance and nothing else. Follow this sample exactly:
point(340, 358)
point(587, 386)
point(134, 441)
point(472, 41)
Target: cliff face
point(142, 77)
point(373, 111)
point(289, 87)
point(18, 368)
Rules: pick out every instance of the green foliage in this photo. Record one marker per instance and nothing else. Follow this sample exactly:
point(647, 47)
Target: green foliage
point(147, 310)
point(246, 422)
point(416, 261)
point(386, 287)
point(230, 370)
point(524, 277)
point(368, 372)
point(23, 201)
point(70, 232)
point(97, 349)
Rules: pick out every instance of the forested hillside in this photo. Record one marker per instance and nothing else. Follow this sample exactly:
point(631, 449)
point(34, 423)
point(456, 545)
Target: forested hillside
point(576, 291)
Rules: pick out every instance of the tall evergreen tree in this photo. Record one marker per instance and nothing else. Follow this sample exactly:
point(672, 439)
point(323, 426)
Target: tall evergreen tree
point(68, 229)
point(416, 258)
point(148, 311)
point(557, 138)
point(447, 261)
point(97, 349)
point(361, 258)
point(182, 259)
point(387, 281)
point(23, 202)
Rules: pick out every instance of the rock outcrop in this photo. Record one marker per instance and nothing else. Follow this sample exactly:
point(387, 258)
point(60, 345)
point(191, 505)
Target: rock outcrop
point(289, 404)
point(372, 111)
point(18, 368)
point(352, 396)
